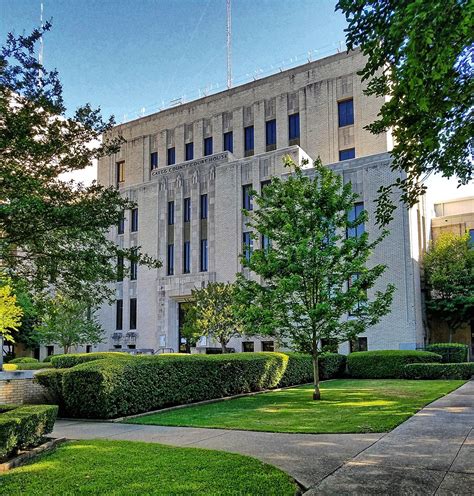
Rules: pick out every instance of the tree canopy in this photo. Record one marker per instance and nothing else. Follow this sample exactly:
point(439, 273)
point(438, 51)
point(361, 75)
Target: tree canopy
point(315, 275)
point(53, 232)
point(419, 54)
point(10, 313)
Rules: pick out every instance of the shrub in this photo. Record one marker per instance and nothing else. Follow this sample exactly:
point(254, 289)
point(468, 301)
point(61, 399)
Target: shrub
point(439, 370)
point(48, 358)
point(10, 367)
point(71, 360)
point(24, 426)
point(114, 387)
point(331, 365)
point(51, 380)
point(385, 364)
point(299, 370)
point(24, 360)
point(450, 352)
point(33, 366)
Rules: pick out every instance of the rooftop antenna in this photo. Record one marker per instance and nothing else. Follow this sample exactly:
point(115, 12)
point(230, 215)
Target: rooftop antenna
point(40, 53)
point(229, 47)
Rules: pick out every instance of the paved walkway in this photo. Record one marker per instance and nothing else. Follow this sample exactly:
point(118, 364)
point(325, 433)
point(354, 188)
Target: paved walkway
point(431, 453)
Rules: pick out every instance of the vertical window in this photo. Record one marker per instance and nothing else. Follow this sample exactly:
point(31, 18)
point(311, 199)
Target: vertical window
point(471, 237)
point(120, 172)
point(187, 257)
point(359, 344)
point(203, 206)
point(248, 245)
point(247, 346)
point(88, 348)
point(133, 313)
point(119, 315)
point(346, 113)
point(208, 146)
point(153, 160)
point(171, 156)
point(263, 185)
point(247, 197)
point(189, 151)
point(266, 243)
point(268, 346)
point(121, 224)
point(187, 210)
point(170, 260)
point(347, 154)
point(170, 213)
point(360, 303)
point(203, 257)
point(50, 350)
point(119, 268)
point(134, 222)
point(248, 140)
point(228, 142)
point(270, 135)
point(133, 267)
point(294, 127)
point(357, 231)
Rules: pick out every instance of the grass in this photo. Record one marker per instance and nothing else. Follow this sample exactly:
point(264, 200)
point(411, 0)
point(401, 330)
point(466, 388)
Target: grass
point(131, 468)
point(347, 406)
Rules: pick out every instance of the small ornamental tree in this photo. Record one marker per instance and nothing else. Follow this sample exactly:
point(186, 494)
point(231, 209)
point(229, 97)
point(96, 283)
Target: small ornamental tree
point(68, 322)
point(315, 272)
point(449, 277)
point(10, 312)
point(213, 313)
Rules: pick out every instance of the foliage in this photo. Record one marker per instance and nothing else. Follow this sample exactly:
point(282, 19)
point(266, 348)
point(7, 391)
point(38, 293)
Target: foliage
point(10, 312)
point(348, 406)
point(385, 364)
point(53, 232)
point(52, 381)
point(113, 387)
point(462, 371)
point(189, 330)
point(450, 352)
point(73, 359)
point(33, 366)
point(331, 365)
point(305, 292)
point(213, 313)
point(420, 55)
point(68, 322)
point(449, 277)
point(22, 426)
point(123, 467)
point(24, 360)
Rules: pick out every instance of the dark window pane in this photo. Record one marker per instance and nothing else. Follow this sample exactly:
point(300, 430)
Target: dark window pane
point(119, 268)
point(189, 151)
point(294, 126)
point(229, 142)
point(133, 267)
point(247, 245)
point(170, 213)
point(134, 222)
point(171, 156)
point(187, 210)
point(187, 257)
point(347, 154)
point(121, 224)
point(133, 313)
point(355, 232)
point(170, 260)
point(248, 346)
point(268, 346)
point(270, 128)
point(204, 260)
point(119, 315)
point(153, 160)
point(248, 140)
point(247, 197)
point(346, 113)
point(208, 146)
point(203, 206)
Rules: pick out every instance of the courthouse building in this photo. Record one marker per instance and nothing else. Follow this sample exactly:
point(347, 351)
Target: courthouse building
point(190, 169)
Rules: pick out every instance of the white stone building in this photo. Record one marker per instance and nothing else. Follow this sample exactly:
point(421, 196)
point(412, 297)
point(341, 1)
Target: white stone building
point(189, 168)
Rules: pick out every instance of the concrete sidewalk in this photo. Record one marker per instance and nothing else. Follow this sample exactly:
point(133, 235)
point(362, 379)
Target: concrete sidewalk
point(431, 453)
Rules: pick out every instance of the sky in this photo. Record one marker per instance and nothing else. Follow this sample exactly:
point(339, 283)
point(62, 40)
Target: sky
point(123, 55)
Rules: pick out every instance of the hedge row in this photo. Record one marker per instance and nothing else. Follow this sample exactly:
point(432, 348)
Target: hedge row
point(33, 366)
point(24, 360)
point(450, 352)
point(24, 426)
point(386, 364)
point(71, 360)
point(439, 370)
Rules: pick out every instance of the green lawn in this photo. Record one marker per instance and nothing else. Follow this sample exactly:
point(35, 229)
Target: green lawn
point(135, 468)
point(346, 406)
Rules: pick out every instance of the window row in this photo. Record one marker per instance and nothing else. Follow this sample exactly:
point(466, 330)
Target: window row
point(133, 222)
point(203, 257)
point(132, 314)
point(203, 209)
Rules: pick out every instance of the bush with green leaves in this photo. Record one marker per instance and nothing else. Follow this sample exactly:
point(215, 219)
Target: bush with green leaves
point(386, 364)
point(331, 366)
point(33, 366)
point(462, 371)
point(52, 381)
point(450, 352)
point(22, 426)
point(24, 360)
point(71, 360)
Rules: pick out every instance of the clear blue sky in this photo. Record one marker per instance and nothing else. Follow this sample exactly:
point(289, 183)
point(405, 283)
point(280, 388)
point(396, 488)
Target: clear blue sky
point(124, 55)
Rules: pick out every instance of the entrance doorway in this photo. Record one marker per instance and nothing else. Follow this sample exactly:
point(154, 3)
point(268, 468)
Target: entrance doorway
point(184, 346)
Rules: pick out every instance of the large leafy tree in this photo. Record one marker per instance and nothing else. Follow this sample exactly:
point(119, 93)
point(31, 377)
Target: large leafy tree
point(449, 277)
point(53, 233)
point(419, 54)
point(313, 275)
point(10, 312)
point(213, 313)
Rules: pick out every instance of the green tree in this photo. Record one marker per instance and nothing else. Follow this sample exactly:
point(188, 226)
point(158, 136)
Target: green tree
point(10, 312)
point(68, 322)
point(420, 55)
point(213, 313)
point(53, 232)
point(313, 275)
point(449, 277)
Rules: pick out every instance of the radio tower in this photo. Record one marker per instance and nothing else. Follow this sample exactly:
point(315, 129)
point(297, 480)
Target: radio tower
point(40, 53)
point(229, 46)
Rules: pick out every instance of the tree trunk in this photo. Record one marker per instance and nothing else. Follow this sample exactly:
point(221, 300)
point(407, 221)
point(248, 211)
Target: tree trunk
point(317, 392)
point(66, 349)
point(223, 346)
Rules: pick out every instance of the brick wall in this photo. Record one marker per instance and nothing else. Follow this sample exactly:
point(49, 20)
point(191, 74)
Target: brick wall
point(19, 391)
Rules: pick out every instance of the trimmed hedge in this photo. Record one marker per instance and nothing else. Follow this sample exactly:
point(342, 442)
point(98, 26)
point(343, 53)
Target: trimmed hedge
point(73, 359)
point(33, 366)
point(24, 426)
point(52, 381)
point(439, 370)
point(116, 387)
point(386, 364)
point(24, 360)
point(331, 365)
point(450, 352)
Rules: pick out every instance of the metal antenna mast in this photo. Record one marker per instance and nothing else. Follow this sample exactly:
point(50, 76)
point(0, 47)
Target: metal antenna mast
point(40, 55)
point(229, 46)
